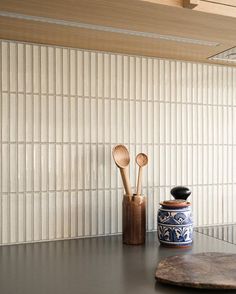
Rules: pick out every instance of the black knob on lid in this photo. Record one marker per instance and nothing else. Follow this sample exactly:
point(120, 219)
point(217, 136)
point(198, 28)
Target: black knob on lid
point(180, 192)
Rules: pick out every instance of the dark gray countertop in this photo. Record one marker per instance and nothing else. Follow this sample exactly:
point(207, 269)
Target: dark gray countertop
point(93, 265)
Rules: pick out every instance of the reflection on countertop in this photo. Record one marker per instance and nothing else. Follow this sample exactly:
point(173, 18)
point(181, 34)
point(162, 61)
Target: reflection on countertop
point(226, 233)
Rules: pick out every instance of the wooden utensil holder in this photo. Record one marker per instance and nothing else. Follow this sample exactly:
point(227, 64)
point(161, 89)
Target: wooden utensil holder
point(134, 219)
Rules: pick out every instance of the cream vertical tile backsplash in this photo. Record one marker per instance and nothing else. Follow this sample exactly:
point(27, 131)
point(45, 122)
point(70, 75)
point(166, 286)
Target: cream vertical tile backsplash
point(61, 112)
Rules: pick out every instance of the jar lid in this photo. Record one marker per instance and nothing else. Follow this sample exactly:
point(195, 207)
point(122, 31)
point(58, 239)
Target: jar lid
point(177, 203)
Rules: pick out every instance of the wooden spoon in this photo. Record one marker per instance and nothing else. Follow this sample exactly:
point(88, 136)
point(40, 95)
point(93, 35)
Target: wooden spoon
point(122, 159)
point(141, 160)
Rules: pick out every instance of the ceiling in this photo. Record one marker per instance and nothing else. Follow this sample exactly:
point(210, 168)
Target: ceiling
point(175, 29)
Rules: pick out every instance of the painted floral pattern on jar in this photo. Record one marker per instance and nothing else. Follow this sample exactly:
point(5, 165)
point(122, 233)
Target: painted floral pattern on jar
point(175, 224)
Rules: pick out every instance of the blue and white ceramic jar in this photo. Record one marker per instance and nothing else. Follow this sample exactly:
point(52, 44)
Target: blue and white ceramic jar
point(174, 223)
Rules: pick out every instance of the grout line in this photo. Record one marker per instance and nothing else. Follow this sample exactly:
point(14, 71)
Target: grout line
point(146, 122)
point(192, 131)
point(218, 177)
point(180, 122)
point(202, 138)
point(35, 143)
point(8, 148)
point(227, 152)
point(118, 98)
point(16, 149)
point(103, 140)
point(69, 146)
point(159, 125)
point(62, 149)
point(213, 139)
point(90, 147)
point(117, 125)
point(187, 128)
point(232, 140)
point(223, 155)
point(153, 153)
point(172, 88)
point(48, 150)
point(122, 126)
point(76, 151)
point(1, 152)
point(83, 135)
point(135, 118)
point(112, 188)
point(176, 122)
point(32, 136)
point(197, 149)
point(24, 123)
point(141, 118)
point(40, 138)
point(97, 152)
point(207, 148)
point(111, 110)
point(55, 136)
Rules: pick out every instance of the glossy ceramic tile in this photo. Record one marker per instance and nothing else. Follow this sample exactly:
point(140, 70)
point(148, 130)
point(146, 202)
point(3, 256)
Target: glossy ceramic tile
point(63, 109)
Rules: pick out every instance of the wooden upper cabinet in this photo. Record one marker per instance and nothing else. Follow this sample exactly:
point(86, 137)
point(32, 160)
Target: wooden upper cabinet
point(174, 29)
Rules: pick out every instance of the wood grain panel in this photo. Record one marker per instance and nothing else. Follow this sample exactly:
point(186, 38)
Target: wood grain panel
point(38, 32)
point(214, 8)
point(176, 3)
point(137, 15)
point(134, 14)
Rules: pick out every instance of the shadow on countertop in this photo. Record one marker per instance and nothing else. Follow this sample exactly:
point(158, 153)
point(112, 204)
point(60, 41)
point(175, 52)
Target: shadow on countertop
point(173, 289)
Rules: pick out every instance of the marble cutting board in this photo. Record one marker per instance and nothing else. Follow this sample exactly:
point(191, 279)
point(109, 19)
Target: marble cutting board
point(211, 270)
